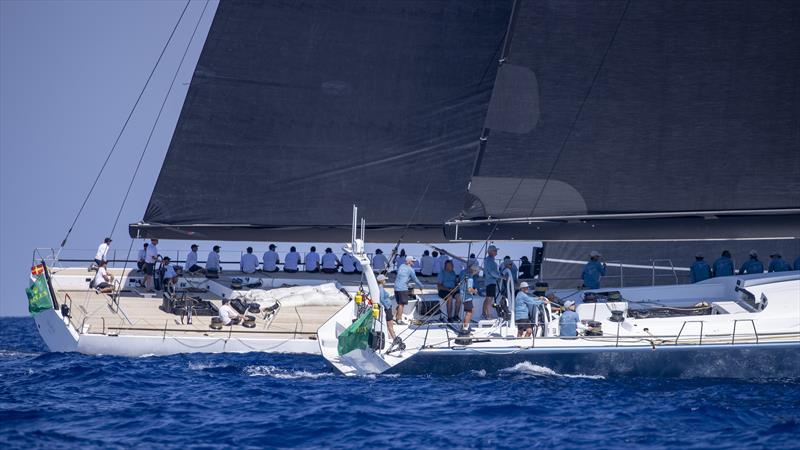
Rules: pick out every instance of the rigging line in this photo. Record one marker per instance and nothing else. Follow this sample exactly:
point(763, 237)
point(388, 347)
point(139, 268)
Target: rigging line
point(580, 108)
point(122, 130)
point(158, 116)
point(408, 224)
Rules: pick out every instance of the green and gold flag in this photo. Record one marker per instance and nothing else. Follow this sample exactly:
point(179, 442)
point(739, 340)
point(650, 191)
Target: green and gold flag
point(356, 336)
point(38, 295)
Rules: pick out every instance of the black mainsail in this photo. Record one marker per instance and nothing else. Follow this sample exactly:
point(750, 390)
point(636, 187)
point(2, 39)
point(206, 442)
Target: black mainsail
point(299, 109)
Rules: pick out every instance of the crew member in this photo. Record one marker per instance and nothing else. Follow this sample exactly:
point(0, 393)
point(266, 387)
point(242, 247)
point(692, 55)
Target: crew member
point(102, 251)
point(700, 270)
point(753, 265)
point(330, 263)
point(291, 261)
point(509, 263)
point(312, 260)
point(191, 265)
point(426, 264)
point(386, 302)
point(777, 263)
point(469, 283)
point(723, 266)
point(399, 259)
point(249, 262)
point(228, 315)
point(437, 264)
point(490, 276)
point(103, 280)
point(402, 292)
point(151, 257)
point(569, 320)
point(524, 306)
point(593, 270)
point(379, 261)
point(446, 283)
point(525, 268)
point(212, 262)
point(170, 276)
point(349, 264)
point(140, 259)
point(271, 259)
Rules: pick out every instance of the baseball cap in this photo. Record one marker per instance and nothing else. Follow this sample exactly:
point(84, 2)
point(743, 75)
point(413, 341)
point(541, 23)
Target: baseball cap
point(410, 258)
point(492, 247)
point(568, 303)
point(523, 285)
point(594, 253)
point(381, 277)
point(753, 253)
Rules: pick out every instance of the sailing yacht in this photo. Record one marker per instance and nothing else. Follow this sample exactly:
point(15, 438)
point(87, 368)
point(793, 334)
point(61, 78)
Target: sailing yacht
point(654, 128)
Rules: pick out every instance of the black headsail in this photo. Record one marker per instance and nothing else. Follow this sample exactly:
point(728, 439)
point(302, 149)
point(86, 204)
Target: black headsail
point(299, 109)
point(637, 120)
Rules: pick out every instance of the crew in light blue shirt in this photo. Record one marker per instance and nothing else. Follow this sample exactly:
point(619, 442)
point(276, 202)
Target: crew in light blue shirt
point(490, 276)
point(568, 322)
point(386, 302)
point(723, 266)
point(778, 264)
point(593, 270)
point(700, 270)
point(405, 274)
point(753, 265)
point(523, 306)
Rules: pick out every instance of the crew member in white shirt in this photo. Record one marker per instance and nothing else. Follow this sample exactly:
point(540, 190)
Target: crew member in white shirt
point(291, 261)
point(140, 259)
point(312, 260)
point(271, 259)
point(228, 315)
point(426, 264)
point(212, 262)
point(103, 280)
point(329, 261)
point(150, 260)
point(170, 276)
point(102, 251)
point(249, 262)
point(379, 261)
point(191, 265)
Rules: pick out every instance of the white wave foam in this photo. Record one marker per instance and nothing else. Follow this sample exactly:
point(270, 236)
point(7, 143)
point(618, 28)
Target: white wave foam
point(282, 374)
point(479, 373)
point(16, 354)
point(528, 368)
point(204, 366)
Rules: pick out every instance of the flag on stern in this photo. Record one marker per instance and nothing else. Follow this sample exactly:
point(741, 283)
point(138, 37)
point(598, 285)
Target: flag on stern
point(356, 336)
point(37, 269)
point(38, 294)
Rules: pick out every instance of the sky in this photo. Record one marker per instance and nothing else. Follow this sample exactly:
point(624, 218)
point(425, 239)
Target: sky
point(70, 72)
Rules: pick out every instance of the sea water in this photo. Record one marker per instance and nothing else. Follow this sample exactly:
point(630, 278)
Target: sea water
point(57, 400)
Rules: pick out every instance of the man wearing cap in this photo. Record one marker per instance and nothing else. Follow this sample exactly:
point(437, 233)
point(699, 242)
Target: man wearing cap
point(330, 263)
point(468, 279)
point(777, 263)
point(402, 292)
point(700, 270)
point(249, 262)
point(753, 265)
point(170, 276)
point(270, 259)
point(191, 265)
point(593, 270)
point(569, 320)
point(312, 261)
point(140, 258)
point(446, 282)
point(350, 264)
point(150, 259)
point(723, 266)
point(102, 251)
point(525, 268)
point(386, 302)
point(490, 276)
point(524, 305)
point(213, 267)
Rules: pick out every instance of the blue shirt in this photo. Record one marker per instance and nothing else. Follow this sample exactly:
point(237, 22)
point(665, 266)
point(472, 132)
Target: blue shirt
point(471, 282)
point(568, 322)
point(591, 274)
point(329, 261)
point(386, 301)
point(700, 271)
point(723, 267)
point(523, 304)
point(447, 279)
point(751, 266)
point(405, 274)
point(778, 265)
point(490, 271)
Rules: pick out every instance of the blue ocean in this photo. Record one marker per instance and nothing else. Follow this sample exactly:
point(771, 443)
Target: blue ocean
point(257, 400)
